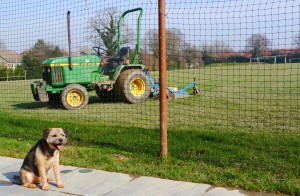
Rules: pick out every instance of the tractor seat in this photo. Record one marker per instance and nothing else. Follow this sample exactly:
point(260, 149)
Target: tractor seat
point(124, 52)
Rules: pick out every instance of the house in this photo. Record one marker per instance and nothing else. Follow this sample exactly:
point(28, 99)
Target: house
point(10, 58)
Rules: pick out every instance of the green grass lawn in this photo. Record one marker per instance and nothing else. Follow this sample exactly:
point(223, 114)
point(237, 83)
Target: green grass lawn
point(241, 131)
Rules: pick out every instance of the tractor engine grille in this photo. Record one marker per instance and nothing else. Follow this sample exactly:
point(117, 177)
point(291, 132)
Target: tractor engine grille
point(53, 75)
point(57, 76)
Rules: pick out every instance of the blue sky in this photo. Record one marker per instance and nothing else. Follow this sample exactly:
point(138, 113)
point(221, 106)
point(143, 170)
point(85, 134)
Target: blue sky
point(22, 22)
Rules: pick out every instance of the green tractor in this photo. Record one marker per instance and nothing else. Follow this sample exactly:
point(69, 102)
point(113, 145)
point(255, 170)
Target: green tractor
point(68, 79)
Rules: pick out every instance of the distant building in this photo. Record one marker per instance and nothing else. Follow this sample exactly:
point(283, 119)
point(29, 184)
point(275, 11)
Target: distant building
point(10, 58)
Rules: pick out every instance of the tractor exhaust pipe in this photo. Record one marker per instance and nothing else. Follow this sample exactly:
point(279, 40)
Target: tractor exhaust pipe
point(69, 41)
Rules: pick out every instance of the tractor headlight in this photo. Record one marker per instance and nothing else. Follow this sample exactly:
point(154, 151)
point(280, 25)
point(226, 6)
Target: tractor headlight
point(46, 69)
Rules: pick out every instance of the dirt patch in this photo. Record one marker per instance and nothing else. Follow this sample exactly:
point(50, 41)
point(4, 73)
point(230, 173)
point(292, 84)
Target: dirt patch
point(121, 157)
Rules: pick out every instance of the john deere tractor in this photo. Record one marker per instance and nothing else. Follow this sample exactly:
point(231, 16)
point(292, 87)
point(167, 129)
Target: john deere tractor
point(69, 79)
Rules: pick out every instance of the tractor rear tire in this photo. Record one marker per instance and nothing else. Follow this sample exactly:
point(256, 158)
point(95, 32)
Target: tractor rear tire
point(74, 96)
point(133, 86)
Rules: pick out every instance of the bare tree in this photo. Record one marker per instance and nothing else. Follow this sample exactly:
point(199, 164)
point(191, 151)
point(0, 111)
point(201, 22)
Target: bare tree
point(174, 46)
point(192, 56)
point(105, 30)
point(257, 44)
point(296, 40)
point(152, 42)
point(174, 42)
point(217, 48)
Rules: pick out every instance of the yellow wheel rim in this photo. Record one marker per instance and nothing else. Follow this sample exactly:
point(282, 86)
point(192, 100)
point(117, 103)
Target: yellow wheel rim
point(75, 98)
point(137, 87)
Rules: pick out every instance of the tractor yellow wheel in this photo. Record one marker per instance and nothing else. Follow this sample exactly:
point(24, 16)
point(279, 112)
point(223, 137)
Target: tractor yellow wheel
point(137, 87)
point(74, 96)
point(133, 86)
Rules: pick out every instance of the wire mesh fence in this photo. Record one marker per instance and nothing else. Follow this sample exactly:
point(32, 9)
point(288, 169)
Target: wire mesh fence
point(232, 77)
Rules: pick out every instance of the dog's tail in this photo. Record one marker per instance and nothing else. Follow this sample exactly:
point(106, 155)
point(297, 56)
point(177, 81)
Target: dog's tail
point(17, 177)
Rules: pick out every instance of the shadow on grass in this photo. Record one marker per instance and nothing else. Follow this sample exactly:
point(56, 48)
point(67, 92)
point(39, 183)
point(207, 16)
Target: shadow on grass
point(38, 105)
point(223, 149)
point(131, 140)
point(96, 99)
point(32, 105)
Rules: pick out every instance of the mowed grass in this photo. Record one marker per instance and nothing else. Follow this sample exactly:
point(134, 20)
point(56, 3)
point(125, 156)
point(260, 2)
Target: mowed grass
point(241, 131)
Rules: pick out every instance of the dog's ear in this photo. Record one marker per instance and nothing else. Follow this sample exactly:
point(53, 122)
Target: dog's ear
point(46, 132)
point(66, 132)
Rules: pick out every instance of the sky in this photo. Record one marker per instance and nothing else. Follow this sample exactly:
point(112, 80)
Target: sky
point(23, 22)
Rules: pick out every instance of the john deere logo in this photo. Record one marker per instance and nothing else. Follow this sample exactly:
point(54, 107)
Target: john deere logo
point(87, 60)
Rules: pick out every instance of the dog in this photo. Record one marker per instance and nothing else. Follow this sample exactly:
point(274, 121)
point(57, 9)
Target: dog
point(43, 156)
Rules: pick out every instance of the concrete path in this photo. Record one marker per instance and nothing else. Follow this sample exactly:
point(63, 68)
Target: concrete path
point(82, 181)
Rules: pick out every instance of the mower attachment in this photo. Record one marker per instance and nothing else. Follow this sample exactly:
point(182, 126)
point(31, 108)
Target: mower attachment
point(172, 93)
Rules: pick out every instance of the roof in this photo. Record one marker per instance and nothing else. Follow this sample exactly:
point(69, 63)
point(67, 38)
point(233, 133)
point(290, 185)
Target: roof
point(10, 56)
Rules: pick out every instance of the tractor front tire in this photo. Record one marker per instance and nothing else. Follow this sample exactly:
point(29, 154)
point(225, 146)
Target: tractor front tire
point(133, 86)
point(74, 96)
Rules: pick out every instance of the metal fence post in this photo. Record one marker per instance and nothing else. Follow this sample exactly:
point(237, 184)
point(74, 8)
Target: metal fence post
point(162, 82)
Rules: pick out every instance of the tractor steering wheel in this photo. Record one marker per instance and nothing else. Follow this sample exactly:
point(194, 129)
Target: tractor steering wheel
point(98, 49)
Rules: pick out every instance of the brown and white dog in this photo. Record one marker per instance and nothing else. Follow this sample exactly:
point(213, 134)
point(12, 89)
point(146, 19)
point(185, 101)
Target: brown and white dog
point(42, 157)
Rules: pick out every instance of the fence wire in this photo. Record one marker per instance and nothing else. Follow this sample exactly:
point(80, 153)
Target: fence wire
point(232, 66)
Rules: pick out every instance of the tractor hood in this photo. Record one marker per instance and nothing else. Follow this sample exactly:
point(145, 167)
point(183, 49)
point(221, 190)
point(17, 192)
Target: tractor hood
point(90, 59)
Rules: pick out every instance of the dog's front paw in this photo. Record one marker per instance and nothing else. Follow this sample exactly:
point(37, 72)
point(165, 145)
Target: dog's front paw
point(60, 185)
point(45, 187)
point(28, 185)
